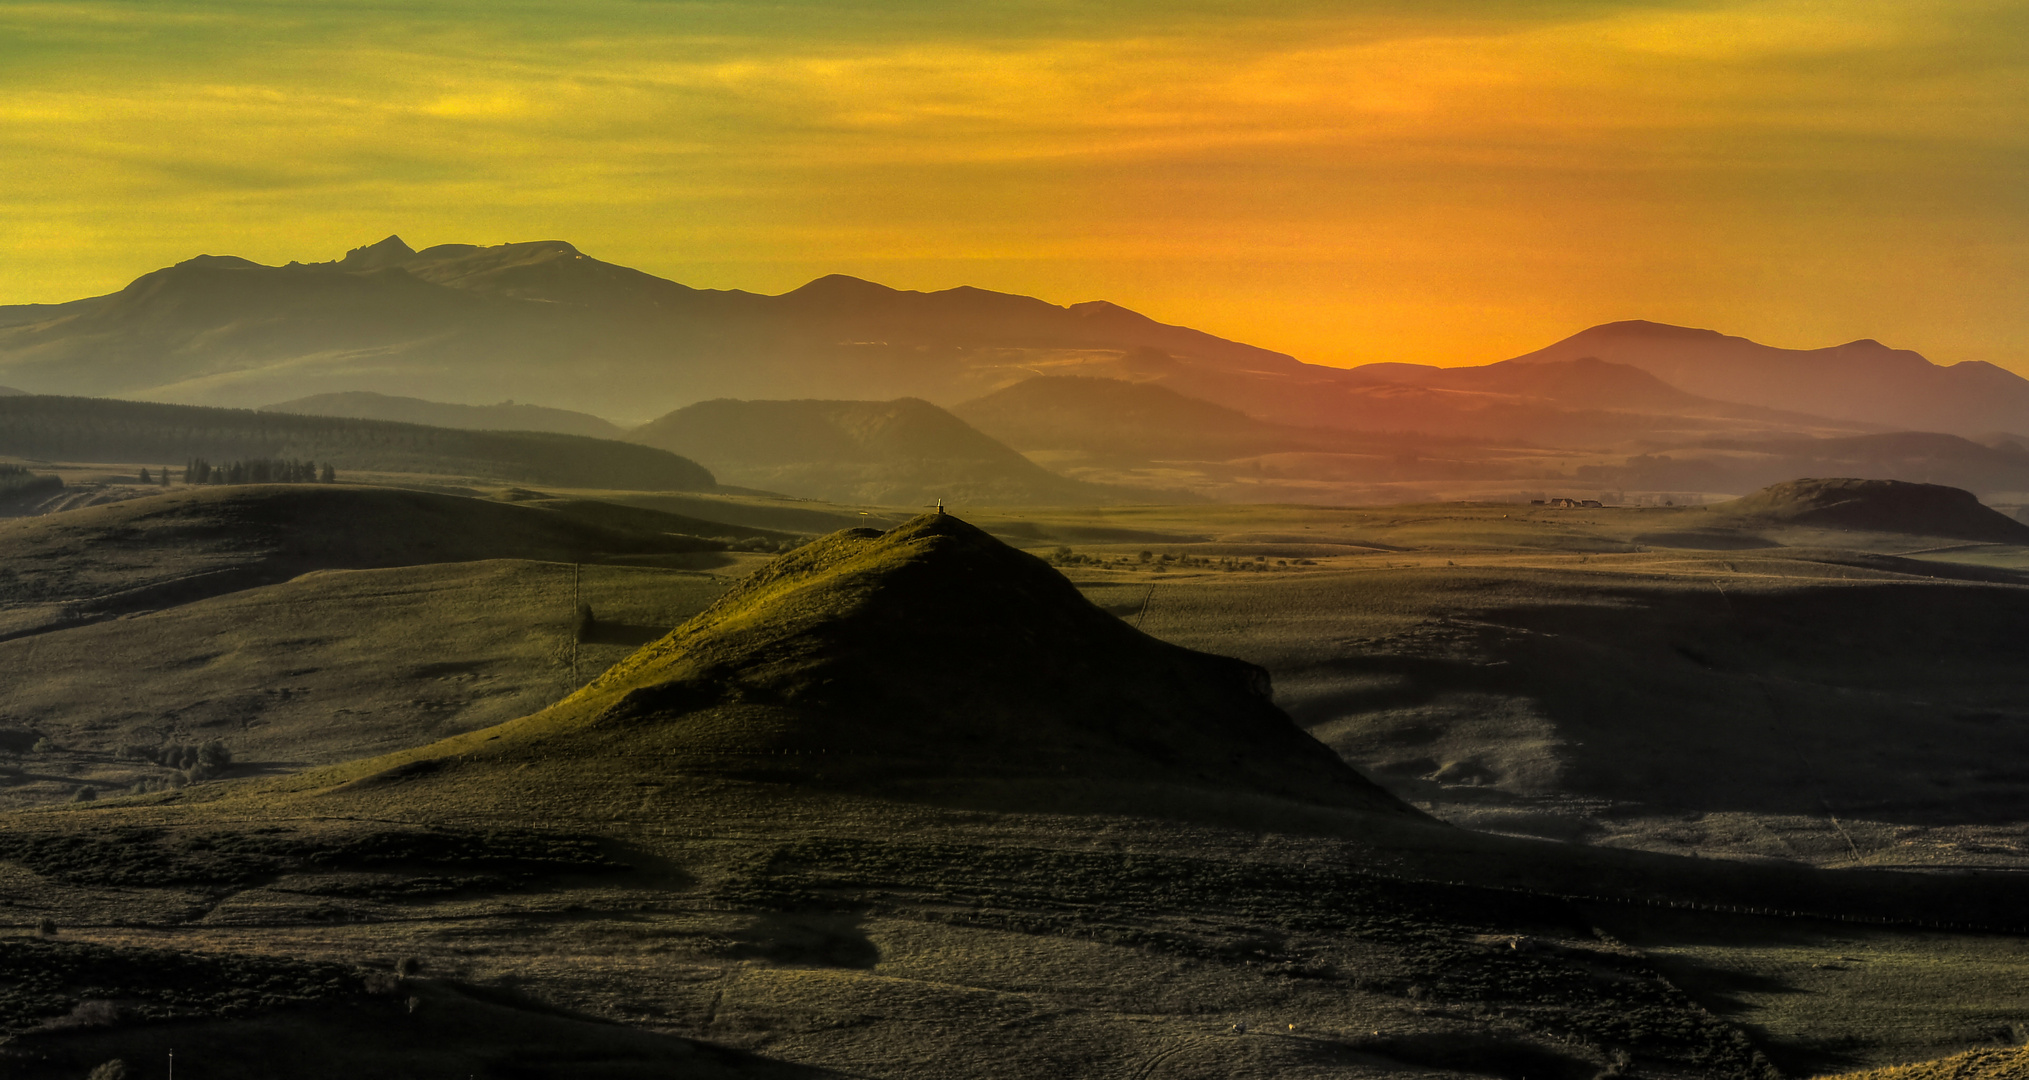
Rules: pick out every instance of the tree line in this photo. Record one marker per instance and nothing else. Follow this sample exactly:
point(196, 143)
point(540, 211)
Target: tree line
point(255, 471)
point(53, 428)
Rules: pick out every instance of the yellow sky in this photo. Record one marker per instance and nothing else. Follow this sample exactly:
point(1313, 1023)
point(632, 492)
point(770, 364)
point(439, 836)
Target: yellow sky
point(1441, 182)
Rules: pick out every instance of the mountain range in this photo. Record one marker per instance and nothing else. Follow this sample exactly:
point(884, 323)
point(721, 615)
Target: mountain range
point(544, 322)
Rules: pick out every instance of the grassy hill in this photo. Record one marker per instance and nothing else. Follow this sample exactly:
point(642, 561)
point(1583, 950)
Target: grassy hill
point(506, 416)
point(905, 453)
point(95, 429)
point(149, 553)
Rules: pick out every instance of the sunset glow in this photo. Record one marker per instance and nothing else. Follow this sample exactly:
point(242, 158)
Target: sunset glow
point(1443, 183)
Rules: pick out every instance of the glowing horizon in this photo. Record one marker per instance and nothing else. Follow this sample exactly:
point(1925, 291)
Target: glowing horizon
point(1450, 183)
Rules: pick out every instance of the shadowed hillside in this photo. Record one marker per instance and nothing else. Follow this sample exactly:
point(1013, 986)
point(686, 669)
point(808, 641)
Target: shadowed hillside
point(898, 453)
point(506, 416)
point(1890, 506)
point(96, 429)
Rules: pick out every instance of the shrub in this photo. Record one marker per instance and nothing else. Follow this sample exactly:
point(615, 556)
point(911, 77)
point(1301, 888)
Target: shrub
point(86, 793)
point(46, 926)
point(408, 966)
point(44, 746)
point(115, 1069)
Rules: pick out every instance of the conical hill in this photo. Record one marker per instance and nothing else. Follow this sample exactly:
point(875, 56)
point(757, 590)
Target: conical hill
point(923, 656)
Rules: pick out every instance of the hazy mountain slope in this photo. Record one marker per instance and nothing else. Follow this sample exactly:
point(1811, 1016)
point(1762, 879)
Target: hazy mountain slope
point(1745, 465)
point(1117, 418)
point(1862, 381)
point(8, 391)
point(506, 416)
point(97, 429)
point(906, 452)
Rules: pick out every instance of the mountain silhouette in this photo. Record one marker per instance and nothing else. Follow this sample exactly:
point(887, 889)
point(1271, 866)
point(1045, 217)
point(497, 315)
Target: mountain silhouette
point(542, 321)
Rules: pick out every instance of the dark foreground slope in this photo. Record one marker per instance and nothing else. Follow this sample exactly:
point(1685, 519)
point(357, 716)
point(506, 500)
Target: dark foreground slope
point(99, 429)
point(901, 805)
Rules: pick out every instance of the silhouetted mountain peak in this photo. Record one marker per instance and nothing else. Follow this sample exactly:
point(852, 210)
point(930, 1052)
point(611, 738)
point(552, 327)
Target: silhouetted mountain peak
point(841, 286)
point(389, 252)
point(220, 262)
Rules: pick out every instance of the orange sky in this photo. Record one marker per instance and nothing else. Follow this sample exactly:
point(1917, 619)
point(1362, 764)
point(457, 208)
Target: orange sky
point(1443, 182)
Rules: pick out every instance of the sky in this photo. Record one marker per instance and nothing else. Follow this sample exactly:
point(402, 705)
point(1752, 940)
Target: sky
point(1437, 181)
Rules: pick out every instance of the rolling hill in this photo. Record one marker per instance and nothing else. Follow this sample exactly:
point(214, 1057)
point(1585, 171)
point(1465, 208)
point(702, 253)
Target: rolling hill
point(95, 429)
point(155, 552)
point(905, 452)
point(506, 416)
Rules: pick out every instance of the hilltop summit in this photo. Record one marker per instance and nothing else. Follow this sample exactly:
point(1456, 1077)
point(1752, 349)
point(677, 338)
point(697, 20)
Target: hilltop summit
point(930, 658)
point(935, 643)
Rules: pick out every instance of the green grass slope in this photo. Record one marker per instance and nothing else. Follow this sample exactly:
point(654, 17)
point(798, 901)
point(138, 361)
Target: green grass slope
point(321, 669)
point(100, 429)
point(506, 416)
point(905, 452)
point(162, 550)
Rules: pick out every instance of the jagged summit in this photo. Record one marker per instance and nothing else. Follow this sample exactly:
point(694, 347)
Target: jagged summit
point(389, 252)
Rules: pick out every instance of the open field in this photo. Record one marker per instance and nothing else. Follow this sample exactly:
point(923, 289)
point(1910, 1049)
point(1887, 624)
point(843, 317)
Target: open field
point(1639, 696)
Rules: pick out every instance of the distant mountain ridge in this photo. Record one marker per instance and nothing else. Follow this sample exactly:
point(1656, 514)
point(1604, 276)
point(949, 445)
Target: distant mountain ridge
point(542, 321)
point(1862, 381)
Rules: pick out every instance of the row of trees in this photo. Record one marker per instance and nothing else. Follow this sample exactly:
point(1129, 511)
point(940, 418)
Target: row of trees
point(255, 471)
